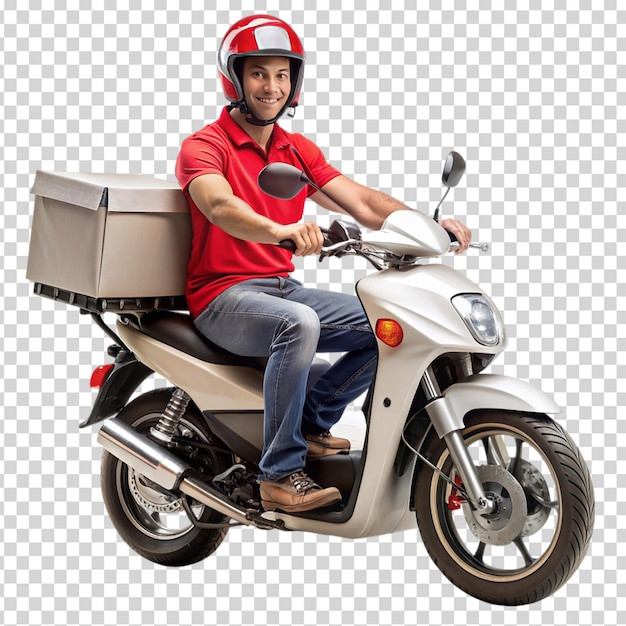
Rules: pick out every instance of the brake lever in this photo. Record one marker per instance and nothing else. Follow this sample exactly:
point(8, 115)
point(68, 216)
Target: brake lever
point(483, 247)
point(332, 249)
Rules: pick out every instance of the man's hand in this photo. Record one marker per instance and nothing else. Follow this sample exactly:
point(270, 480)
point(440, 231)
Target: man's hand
point(308, 237)
point(462, 233)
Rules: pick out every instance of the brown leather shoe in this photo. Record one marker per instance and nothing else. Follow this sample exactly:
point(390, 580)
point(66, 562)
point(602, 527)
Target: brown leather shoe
point(325, 444)
point(296, 493)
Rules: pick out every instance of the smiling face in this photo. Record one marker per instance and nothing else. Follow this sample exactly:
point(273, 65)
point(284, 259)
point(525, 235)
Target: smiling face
point(266, 85)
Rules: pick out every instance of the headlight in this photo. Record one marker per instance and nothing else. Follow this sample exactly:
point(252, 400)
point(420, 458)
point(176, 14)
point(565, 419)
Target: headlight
point(481, 318)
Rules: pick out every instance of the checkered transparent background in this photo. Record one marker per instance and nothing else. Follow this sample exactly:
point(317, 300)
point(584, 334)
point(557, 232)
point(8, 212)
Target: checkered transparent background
point(531, 92)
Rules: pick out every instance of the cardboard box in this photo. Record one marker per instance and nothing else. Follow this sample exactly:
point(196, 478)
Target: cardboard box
point(109, 235)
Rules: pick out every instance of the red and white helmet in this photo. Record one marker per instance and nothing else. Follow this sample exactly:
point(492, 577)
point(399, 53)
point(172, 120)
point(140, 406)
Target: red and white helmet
point(259, 35)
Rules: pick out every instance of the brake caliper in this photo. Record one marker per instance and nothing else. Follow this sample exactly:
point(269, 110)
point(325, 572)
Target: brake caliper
point(456, 499)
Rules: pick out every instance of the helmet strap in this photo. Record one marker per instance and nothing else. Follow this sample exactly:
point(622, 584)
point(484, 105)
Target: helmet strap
point(251, 118)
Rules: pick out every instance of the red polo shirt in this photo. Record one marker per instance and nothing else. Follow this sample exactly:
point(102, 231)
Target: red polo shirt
point(217, 259)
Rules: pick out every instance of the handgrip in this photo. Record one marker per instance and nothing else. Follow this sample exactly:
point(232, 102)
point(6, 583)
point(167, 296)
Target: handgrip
point(287, 244)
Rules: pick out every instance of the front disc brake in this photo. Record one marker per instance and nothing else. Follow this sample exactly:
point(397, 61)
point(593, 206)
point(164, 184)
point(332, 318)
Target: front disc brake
point(508, 519)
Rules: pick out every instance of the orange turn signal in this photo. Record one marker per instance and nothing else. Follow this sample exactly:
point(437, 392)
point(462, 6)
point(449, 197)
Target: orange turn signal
point(389, 332)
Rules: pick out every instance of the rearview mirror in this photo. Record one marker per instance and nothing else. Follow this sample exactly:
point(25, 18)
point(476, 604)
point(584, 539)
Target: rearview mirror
point(281, 180)
point(453, 169)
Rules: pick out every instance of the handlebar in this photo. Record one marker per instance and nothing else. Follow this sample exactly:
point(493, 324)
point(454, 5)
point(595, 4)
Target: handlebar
point(337, 239)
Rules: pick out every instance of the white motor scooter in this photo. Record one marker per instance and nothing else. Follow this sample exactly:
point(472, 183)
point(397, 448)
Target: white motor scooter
point(502, 496)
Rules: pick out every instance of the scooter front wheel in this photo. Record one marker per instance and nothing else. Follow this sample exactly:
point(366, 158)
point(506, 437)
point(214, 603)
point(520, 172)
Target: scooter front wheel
point(539, 532)
point(152, 521)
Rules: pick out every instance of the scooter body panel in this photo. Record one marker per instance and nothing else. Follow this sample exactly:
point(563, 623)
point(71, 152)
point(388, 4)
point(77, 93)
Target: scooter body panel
point(211, 386)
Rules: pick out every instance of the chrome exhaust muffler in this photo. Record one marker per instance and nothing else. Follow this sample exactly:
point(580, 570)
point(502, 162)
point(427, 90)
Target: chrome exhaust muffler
point(160, 466)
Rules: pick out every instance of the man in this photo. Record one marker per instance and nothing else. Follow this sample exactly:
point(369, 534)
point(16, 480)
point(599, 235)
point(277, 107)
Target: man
point(239, 288)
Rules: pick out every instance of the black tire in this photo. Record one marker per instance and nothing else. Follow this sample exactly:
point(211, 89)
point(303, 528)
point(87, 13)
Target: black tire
point(152, 523)
point(556, 498)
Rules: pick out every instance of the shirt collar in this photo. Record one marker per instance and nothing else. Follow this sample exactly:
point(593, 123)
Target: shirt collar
point(240, 137)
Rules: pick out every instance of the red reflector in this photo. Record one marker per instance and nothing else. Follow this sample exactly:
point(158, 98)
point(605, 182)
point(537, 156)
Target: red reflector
point(100, 374)
point(389, 332)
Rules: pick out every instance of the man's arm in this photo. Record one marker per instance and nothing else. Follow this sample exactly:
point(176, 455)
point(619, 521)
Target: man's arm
point(367, 206)
point(214, 197)
point(371, 208)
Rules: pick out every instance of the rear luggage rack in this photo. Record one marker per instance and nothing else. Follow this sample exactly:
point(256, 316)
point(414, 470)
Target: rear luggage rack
point(112, 305)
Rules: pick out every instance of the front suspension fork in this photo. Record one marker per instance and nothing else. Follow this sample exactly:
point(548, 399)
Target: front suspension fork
point(449, 426)
point(467, 472)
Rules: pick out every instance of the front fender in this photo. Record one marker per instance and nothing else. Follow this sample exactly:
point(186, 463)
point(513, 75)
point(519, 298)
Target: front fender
point(492, 391)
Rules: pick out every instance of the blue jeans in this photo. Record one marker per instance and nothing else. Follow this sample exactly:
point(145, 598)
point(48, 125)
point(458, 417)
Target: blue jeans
point(280, 319)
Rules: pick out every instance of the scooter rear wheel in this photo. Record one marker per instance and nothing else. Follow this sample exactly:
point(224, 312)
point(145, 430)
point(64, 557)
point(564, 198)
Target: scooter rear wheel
point(541, 528)
point(152, 521)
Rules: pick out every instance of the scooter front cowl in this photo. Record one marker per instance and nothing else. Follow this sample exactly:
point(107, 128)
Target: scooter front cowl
point(419, 299)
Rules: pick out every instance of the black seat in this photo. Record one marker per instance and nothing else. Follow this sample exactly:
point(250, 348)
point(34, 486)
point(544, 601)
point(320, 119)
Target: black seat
point(178, 331)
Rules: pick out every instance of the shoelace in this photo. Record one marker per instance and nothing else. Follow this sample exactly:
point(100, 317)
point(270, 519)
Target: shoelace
point(322, 436)
point(302, 483)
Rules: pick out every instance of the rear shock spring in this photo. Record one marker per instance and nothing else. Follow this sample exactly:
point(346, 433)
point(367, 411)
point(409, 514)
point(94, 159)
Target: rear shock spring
point(165, 429)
